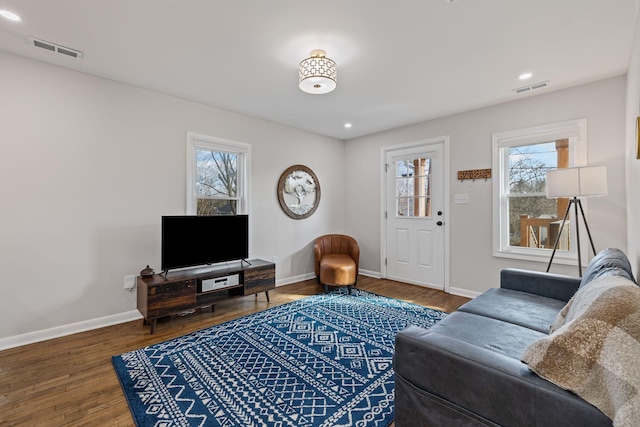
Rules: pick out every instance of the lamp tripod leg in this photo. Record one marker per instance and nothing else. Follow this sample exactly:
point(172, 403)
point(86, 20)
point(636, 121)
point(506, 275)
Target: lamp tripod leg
point(575, 205)
point(555, 245)
point(586, 226)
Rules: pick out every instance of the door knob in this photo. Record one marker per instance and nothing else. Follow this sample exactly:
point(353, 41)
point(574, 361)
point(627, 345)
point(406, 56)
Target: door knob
point(439, 213)
point(439, 223)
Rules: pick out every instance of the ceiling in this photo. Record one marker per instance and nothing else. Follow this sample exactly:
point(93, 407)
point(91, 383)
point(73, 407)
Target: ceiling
point(399, 62)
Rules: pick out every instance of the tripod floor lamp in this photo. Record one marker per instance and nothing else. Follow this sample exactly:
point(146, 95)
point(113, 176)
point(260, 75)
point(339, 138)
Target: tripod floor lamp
point(574, 183)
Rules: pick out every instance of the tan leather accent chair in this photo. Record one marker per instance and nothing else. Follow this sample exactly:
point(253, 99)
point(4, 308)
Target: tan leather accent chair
point(336, 260)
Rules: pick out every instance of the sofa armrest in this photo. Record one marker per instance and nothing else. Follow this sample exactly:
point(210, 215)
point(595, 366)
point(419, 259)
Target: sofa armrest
point(557, 286)
point(496, 387)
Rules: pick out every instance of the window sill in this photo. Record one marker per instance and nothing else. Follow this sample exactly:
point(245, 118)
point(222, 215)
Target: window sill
point(538, 255)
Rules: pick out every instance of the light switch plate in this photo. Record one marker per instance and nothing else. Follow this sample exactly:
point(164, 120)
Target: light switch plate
point(460, 199)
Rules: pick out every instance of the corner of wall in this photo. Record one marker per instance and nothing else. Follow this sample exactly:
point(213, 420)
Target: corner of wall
point(632, 163)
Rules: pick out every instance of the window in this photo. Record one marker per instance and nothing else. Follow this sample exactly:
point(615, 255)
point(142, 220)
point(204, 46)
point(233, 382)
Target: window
point(413, 190)
point(217, 181)
point(526, 223)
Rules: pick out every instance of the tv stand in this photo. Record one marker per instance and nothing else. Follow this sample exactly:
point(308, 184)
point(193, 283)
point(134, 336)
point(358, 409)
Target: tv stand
point(175, 292)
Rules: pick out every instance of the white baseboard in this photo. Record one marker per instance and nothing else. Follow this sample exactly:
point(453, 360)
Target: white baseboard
point(294, 279)
point(374, 274)
point(464, 292)
point(101, 322)
point(454, 291)
point(73, 328)
point(307, 276)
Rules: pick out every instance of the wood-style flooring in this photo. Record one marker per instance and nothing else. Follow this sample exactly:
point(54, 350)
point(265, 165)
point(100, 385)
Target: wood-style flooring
point(70, 381)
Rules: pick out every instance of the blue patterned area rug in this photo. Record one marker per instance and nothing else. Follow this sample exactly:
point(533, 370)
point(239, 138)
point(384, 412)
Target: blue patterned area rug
point(325, 360)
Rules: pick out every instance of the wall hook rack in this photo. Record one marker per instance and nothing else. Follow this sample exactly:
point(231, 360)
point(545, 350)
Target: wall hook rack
point(474, 174)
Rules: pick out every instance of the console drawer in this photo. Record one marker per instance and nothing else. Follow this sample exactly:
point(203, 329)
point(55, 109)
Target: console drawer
point(171, 297)
point(259, 279)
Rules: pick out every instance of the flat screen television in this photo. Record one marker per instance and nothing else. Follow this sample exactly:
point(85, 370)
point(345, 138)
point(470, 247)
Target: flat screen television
point(189, 240)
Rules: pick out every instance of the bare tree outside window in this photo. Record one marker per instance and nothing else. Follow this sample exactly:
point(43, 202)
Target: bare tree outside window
point(527, 200)
point(526, 225)
point(217, 183)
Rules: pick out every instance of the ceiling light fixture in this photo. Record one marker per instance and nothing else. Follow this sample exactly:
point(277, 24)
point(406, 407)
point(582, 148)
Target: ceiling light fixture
point(525, 76)
point(347, 125)
point(317, 74)
point(10, 15)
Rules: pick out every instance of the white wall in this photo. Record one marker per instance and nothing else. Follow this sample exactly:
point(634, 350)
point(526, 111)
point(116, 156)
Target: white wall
point(87, 168)
point(633, 164)
point(473, 267)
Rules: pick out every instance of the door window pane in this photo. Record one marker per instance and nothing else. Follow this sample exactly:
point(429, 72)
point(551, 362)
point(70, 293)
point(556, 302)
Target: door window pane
point(413, 191)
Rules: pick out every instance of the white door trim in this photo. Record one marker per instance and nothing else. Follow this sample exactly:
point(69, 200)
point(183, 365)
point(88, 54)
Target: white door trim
point(383, 199)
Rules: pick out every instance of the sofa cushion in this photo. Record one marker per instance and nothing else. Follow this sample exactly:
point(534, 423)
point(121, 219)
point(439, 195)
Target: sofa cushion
point(608, 262)
point(504, 338)
point(519, 308)
point(338, 269)
point(594, 352)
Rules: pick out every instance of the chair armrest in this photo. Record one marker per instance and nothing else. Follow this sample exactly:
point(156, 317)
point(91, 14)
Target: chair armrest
point(355, 254)
point(317, 255)
point(551, 285)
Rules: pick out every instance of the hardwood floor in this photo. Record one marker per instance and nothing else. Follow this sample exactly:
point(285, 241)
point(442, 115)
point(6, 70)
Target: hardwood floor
point(70, 381)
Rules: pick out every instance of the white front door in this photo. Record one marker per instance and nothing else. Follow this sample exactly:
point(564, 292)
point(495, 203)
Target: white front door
point(414, 202)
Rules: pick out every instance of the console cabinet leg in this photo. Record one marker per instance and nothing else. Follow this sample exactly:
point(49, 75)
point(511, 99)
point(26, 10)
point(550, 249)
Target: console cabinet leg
point(153, 325)
point(267, 294)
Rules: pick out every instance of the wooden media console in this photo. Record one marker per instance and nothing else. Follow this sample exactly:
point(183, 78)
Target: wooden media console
point(182, 290)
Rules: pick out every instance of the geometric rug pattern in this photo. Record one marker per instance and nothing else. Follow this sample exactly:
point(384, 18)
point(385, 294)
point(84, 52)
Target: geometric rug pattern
point(324, 360)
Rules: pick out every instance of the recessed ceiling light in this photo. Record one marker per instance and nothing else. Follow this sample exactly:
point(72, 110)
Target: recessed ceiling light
point(347, 125)
point(525, 76)
point(10, 15)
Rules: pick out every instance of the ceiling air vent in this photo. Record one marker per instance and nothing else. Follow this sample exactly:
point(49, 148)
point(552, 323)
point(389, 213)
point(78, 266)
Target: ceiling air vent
point(52, 47)
point(531, 87)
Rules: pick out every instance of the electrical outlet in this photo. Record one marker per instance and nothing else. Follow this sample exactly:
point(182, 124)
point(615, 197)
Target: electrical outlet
point(129, 282)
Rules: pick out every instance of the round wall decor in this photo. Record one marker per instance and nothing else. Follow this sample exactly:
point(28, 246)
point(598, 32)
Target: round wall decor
point(298, 192)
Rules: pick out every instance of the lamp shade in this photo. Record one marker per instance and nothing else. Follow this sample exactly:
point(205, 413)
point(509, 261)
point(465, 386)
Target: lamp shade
point(577, 182)
point(317, 74)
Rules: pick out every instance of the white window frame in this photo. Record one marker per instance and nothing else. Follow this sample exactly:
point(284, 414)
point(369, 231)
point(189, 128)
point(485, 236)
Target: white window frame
point(242, 150)
point(576, 132)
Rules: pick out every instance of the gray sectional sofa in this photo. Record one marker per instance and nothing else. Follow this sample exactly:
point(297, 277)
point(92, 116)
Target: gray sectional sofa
point(467, 370)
